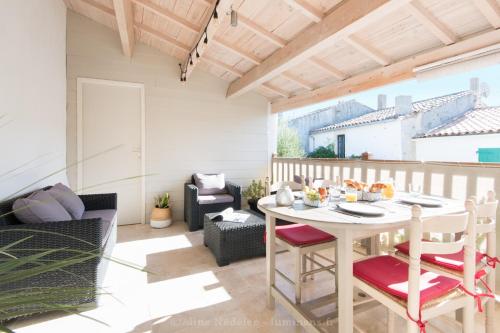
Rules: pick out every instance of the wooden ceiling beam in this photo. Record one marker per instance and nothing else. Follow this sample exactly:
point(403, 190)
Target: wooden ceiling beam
point(168, 15)
point(349, 16)
point(298, 80)
point(101, 7)
point(428, 20)
point(162, 37)
point(212, 27)
point(260, 31)
point(306, 9)
point(332, 70)
point(125, 21)
point(367, 49)
point(222, 65)
point(236, 50)
point(395, 72)
point(491, 10)
point(275, 90)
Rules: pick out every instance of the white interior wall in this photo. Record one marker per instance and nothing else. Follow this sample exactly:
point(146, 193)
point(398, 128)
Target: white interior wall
point(191, 128)
point(32, 93)
point(464, 147)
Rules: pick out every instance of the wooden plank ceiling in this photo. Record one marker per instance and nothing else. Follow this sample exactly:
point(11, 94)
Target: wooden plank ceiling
point(298, 52)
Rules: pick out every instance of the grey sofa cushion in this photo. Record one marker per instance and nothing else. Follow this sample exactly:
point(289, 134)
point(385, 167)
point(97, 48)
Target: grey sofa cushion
point(213, 199)
point(68, 199)
point(107, 216)
point(39, 207)
point(210, 184)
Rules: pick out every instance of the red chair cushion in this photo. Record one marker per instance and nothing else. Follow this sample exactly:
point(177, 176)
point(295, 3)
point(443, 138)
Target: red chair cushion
point(302, 234)
point(453, 261)
point(390, 275)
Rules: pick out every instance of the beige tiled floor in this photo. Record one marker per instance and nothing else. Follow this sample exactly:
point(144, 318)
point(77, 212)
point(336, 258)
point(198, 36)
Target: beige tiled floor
point(185, 291)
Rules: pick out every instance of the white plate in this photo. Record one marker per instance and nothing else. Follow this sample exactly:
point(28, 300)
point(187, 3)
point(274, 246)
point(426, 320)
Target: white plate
point(362, 209)
point(424, 202)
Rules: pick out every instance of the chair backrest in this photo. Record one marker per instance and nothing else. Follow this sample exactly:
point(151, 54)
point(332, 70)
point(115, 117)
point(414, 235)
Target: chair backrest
point(464, 222)
point(486, 214)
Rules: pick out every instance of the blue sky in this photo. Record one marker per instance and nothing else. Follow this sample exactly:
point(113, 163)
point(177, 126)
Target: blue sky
point(422, 89)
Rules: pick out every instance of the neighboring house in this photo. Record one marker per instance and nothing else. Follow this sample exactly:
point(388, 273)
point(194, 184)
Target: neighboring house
point(340, 112)
point(388, 132)
point(474, 136)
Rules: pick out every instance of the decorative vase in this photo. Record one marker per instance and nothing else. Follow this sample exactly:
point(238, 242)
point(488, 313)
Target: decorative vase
point(252, 203)
point(161, 218)
point(284, 196)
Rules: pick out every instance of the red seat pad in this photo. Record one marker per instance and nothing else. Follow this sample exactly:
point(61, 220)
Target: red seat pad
point(453, 261)
point(302, 234)
point(390, 275)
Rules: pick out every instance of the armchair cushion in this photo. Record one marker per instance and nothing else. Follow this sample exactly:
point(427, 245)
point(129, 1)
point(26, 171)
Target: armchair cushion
point(216, 198)
point(68, 199)
point(210, 184)
point(39, 207)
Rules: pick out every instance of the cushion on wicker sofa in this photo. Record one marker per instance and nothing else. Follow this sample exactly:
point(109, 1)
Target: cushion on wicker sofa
point(39, 207)
point(213, 199)
point(107, 216)
point(210, 184)
point(68, 199)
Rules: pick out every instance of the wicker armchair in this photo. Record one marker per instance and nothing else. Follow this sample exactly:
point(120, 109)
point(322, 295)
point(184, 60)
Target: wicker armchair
point(195, 209)
point(89, 235)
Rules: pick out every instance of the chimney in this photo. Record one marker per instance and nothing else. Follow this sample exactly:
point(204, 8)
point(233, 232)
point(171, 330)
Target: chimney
point(474, 85)
point(403, 105)
point(382, 102)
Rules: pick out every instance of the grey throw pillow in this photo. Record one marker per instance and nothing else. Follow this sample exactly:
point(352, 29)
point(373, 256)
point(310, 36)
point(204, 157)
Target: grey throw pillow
point(68, 199)
point(210, 184)
point(39, 207)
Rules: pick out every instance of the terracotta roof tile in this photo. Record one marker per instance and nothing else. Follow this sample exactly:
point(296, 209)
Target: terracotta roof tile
point(483, 120)
point(390, 113)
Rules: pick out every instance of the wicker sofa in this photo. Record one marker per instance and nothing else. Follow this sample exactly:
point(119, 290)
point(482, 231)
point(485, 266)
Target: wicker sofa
point(195, 207)
point(95, 232)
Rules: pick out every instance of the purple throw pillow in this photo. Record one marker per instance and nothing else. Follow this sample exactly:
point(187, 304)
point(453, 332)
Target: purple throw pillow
point(39, 207)
point(210, 184)
point(68, 199)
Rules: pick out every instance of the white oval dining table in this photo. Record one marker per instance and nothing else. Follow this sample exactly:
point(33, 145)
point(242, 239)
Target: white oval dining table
point(346, 228)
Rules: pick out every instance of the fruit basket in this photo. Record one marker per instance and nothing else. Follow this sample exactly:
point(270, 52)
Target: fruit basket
point(315, 203)
point(316, 198)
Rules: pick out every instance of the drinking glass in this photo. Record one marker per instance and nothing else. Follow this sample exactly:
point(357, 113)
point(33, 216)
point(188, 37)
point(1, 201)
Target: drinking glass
point(388, 190)
point(334, 191)
point(351, 195)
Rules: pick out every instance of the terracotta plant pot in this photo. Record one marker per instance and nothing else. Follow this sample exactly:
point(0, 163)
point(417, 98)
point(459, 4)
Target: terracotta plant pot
point(161, 217)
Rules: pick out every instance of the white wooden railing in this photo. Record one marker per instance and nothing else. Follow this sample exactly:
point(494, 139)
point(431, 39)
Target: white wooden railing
point(449, 179)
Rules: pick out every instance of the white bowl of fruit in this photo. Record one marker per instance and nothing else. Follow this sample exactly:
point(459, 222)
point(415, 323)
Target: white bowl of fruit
point(316, 197)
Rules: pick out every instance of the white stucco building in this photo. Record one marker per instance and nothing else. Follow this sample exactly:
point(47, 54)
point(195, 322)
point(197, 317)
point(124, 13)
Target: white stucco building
point(388, 132)
point(470, 133)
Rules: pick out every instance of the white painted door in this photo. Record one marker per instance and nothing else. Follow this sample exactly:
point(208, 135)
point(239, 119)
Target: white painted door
point(111, 114)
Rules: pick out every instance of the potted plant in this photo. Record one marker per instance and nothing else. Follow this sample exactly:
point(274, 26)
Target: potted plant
point(253, 193)
point(161, 216)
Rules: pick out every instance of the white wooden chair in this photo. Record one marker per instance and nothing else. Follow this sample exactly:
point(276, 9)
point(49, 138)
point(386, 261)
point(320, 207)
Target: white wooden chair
point(452, 265)
point(422, 295)
point(303, 242)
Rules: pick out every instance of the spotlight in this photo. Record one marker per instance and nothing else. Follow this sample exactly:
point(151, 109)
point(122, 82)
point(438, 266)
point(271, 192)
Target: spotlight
point(206, 37)
point(234, 18)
